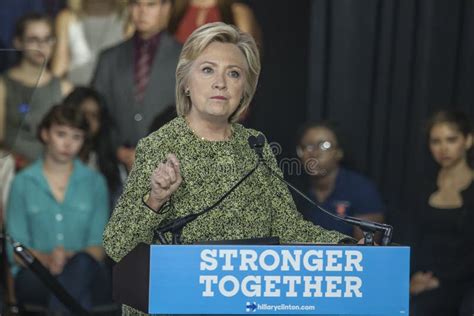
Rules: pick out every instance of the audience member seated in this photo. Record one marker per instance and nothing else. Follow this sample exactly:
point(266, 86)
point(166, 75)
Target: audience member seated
point(58, 208)
point(188, 15)
point(443, 256)
point(337, 189)
point(137, 77)
point(84, 29)
point(29, 90)
point(98, 152)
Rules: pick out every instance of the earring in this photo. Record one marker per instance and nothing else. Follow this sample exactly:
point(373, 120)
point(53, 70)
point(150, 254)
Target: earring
point(187, 92)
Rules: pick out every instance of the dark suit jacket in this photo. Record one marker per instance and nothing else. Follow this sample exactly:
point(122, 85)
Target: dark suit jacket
point(114, 79)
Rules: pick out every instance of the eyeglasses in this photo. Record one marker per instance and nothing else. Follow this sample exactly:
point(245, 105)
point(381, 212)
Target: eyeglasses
point(320, 147)
point(49, 40)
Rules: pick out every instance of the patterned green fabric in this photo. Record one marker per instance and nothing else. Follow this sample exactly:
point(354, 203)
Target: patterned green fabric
point(261, 207)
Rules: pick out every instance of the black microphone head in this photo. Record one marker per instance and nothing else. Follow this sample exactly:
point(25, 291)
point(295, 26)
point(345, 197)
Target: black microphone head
point(252, 141)
point(257, 143)
point(260, 140)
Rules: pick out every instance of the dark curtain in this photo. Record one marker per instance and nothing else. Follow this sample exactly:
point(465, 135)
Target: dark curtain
point(378, 69)
point(279, 106)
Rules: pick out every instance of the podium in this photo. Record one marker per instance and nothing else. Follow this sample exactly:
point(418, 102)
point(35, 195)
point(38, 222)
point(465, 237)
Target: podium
point(257, 279)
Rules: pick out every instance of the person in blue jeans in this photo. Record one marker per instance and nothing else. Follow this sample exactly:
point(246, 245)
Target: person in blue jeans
point(58, 208)
point(338, 190)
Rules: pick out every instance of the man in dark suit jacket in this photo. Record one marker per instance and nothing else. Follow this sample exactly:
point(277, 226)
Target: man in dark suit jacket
point(137, 77)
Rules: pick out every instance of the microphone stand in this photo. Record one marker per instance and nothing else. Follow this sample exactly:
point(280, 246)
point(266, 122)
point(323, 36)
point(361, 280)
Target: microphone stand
point(10, 308)
point(368, 227)
point(30, 261)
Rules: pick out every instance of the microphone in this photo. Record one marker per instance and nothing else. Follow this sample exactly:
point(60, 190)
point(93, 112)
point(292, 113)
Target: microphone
point(368, 227)
point(372, 227)
point(257, 143)
point(176, 226)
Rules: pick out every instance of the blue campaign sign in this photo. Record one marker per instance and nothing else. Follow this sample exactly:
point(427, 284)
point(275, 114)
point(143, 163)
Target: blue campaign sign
point(315, 280)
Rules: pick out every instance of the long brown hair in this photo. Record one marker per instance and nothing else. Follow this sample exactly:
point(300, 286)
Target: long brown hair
point(180, 7)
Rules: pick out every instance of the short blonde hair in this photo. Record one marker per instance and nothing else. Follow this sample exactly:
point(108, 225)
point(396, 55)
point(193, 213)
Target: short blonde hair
point(197, 42)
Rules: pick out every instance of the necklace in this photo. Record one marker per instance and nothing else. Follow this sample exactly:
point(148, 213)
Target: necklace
point(226, 137)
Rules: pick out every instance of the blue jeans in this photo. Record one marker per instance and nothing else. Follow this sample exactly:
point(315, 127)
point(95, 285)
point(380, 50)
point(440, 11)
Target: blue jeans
point(78, 278)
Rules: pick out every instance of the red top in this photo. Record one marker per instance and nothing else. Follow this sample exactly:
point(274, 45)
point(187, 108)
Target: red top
point(189, 21)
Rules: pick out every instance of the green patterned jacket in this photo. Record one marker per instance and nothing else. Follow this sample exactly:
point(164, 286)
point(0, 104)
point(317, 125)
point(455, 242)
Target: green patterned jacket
point(260, 207)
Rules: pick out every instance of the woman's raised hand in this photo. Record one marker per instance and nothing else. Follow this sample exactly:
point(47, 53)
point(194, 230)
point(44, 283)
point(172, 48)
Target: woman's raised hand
point(165, 180)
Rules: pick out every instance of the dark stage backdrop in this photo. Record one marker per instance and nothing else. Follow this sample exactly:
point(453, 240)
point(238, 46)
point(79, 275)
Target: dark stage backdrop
point(377, 68)
point(281, 99)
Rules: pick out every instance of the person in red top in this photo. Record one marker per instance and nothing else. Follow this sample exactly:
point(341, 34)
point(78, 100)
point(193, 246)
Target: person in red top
point(188, 15)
